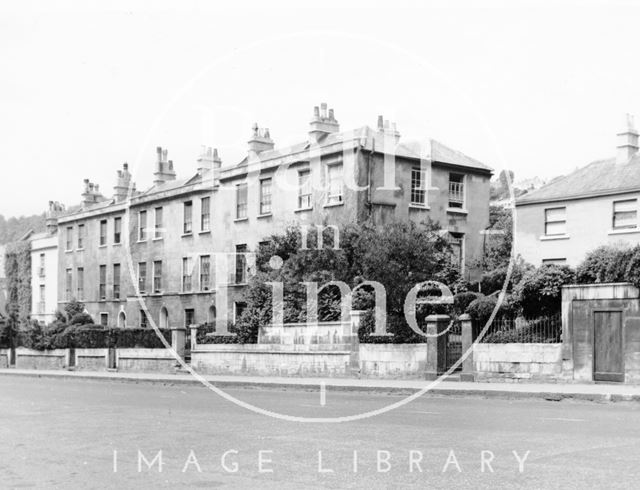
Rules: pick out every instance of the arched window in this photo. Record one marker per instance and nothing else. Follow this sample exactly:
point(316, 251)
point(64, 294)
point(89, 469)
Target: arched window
point(122, 319)
point(211, 315)
point(164, 318)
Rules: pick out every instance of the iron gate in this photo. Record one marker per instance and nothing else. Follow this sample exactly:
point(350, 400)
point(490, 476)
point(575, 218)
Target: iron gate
point(454, 345)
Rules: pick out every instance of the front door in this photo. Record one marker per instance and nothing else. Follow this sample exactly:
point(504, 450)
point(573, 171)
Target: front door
point(607, 346)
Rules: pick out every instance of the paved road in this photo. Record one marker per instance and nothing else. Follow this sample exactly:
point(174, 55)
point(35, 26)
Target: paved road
point(63, 433)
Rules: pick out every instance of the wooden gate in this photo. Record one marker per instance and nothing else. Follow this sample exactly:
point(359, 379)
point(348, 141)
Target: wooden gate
point(607, 346)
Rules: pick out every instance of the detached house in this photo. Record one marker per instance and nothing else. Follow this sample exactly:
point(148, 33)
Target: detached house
point(595, 205)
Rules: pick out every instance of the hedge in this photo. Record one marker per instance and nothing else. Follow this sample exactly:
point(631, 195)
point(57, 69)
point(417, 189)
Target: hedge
point(61, 336)
point(204, 331)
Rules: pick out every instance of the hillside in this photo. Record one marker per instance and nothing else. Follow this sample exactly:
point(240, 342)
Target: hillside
point(13, 228)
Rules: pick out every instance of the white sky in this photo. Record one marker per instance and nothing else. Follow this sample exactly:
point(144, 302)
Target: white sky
point(541, 88)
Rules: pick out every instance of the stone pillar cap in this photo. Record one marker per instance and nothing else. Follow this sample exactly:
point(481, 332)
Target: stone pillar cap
point(435, 318)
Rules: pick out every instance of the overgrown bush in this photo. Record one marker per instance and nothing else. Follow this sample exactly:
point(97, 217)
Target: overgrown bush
point(539, 292)
point(481, 308)
point(493, 280)
point(462, 300)
point(610, 263)
point(81, 319)
point(73, 308)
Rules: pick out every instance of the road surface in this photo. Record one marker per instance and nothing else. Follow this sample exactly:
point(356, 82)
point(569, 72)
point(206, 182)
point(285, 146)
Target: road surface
point(105, 434)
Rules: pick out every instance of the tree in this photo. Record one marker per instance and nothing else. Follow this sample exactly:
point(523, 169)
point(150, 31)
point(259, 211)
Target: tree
point(399, 256)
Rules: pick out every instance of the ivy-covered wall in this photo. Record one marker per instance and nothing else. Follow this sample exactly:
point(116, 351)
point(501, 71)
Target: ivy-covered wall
point(18, 280)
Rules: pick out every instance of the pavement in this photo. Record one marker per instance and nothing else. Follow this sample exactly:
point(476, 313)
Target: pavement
point(73, 432)
point(598, 392)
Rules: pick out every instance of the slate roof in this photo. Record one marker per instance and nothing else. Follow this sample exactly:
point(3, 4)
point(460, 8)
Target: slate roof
point(601, 177)
point(436, 151)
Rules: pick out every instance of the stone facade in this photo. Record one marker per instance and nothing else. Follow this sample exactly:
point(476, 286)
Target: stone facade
point(518, 362)
point(177, 227)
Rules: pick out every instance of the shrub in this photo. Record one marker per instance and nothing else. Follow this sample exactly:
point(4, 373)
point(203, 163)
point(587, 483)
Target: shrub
point(396, 325)
point(540, 291)
point(632, 274)
point(480, 309)
point(593, 268)
point(81, 319)
point(87, 336)
point(462, 300)
point(7, 334)
point(33, 337)
point(363, 299)
point(139, 338)
point(204, 330)
point(73, 308)
point(494, 280)
point(617, 267)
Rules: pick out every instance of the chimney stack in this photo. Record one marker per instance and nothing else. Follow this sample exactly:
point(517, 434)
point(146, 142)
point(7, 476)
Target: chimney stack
point(260, 140)
point(164, 168)
point(209, 163)
point(388, 128)
point(322, 124)
point(123, 181)
point(91, 194)
point(55, 210)
point(627, 142)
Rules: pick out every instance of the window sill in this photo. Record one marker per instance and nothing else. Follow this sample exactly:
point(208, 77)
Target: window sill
point(81, 249)
point(116, 244)
point(186, 235)
point(204, 232)
point(157, 239)
point(302, 210)
point(334, 204)
point(141, 241)
point(68, 251)
point(101, 246)
point(420, 207)
point(624, 231)
point(457, 211)
point(263, 216)
point(238, 284)
point(240, 220)
point(546, 238)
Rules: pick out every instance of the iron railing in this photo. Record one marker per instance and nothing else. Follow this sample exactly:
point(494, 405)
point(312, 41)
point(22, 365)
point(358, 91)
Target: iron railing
point(504, 330)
